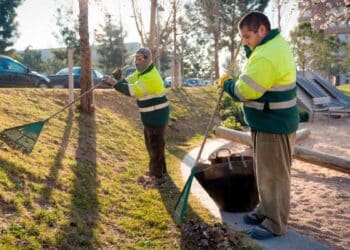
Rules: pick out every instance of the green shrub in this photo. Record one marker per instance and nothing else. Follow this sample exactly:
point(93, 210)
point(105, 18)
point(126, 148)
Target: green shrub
point(231, 123)
point(232, 108)
point(303, 115)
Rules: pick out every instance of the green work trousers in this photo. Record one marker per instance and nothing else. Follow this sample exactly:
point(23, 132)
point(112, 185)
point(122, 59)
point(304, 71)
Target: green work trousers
point(272, 167)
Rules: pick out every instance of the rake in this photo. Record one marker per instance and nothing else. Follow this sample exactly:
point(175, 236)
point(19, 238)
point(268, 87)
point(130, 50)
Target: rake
point(24, 137)
point(181, 204)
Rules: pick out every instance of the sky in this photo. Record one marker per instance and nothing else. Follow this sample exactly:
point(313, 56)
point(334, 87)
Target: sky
point(37, 21)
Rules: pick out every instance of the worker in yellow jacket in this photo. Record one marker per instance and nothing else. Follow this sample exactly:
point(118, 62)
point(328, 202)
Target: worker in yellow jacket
point(147, 86)
point(267, 89)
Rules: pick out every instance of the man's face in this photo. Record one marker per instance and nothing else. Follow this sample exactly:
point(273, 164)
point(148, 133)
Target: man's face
point(252, 38)
point(139, 59)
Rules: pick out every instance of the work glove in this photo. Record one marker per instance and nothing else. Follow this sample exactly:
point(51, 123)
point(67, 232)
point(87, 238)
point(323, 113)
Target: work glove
point(109, 80)
point(117, 74)
point(221, 81)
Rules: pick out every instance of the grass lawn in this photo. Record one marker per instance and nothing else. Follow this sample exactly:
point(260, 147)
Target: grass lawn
point(79, 187)
point(345, 88)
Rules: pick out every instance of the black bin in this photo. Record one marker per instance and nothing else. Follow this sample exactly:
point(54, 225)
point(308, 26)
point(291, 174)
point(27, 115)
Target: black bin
point(230, 181)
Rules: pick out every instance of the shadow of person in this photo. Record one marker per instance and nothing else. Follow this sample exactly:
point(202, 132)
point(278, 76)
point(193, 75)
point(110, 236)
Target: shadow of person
point(51, 180)
point(19, 177)
point(83, 214)
point(170, 193)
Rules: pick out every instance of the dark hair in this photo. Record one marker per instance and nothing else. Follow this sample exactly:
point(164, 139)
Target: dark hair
point(253, 20)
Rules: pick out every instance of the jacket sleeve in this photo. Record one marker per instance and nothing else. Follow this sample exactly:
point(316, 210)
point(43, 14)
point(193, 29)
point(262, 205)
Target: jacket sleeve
point(122, 87)
point(256, 80)
point(148, 84)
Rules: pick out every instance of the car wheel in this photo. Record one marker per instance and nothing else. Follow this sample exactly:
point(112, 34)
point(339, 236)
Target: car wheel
point(58, 86)
point(42, 85)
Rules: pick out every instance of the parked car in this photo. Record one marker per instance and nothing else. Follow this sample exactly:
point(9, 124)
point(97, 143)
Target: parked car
point(192, 82)
point(167, 82)
point(129, 71)
point(14, 74)
point(60, 79)
point(207, 82)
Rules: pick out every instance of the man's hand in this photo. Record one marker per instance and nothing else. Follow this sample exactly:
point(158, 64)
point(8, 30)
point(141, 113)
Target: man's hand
point(109, 80)
point(117, 74)
point(222, 79)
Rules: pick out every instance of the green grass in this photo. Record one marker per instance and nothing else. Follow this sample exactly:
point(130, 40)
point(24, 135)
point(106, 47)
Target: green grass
point(78, 189)
point(345, 88)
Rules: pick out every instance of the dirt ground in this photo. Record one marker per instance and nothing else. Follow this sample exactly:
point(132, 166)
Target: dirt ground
point(320, 197)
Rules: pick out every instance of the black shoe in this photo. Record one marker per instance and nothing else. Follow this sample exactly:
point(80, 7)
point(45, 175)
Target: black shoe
point(252, 219)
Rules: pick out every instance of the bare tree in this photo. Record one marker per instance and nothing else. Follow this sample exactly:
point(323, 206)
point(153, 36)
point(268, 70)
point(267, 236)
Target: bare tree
point(280, 7)
point(152, 27)
point(87, 102)
point(138, 22)
point(164, 31)
point(175, 63)
point(212, 12)
point(326, 13)
point(217, 36)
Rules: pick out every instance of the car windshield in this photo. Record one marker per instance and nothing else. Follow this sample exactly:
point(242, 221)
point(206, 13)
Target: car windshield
point(76, 71)
point(98, 74)
point(62, 72)
point(14, 66)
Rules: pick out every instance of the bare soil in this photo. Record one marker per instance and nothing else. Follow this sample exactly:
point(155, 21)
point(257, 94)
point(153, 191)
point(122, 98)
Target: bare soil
point(320, 197)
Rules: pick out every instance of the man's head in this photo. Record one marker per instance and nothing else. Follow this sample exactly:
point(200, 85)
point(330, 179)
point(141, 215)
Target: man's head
point(143, 58)
point(253, 27)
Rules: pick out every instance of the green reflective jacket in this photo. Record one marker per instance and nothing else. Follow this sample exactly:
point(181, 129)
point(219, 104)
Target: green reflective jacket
point(148, 88)
point(267, 88)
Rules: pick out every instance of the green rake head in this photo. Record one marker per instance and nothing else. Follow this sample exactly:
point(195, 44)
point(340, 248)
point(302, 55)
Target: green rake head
point(181, 204)
point(22, 137)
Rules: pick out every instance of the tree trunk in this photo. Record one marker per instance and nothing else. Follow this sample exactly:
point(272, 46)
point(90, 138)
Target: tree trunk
point(87, 102)
point(217, 37)
point(279, 7)
point(152, 28)
point(309, 155)
point(175, 67)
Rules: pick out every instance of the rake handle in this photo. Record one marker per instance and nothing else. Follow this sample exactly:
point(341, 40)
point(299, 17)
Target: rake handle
point(79, 97)
point(217, 104)
point(74, 101)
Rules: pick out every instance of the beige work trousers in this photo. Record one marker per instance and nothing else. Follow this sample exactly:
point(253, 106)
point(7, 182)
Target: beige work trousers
point(272, 167)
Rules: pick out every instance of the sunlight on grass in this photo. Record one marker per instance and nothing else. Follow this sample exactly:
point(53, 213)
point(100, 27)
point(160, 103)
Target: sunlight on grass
point(79, 187)
point(345, 88)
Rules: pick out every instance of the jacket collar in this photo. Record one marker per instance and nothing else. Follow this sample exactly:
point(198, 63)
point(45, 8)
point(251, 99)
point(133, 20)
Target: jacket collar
point(271, 35)
point(150, 67)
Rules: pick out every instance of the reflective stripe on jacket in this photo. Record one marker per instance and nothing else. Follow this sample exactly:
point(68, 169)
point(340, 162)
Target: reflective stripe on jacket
point(267, 87)
point(148, 88)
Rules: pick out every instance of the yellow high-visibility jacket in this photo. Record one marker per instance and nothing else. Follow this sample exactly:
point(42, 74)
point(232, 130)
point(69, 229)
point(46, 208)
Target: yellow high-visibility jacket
point(267, 88)
point(148, 88)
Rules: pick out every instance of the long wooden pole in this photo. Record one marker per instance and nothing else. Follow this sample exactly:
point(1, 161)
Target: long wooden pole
point(233, 63)
point(309, 155)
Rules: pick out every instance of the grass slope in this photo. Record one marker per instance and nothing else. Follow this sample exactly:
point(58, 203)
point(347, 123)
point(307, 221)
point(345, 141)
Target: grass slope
point(345, 88)
point(78, 189)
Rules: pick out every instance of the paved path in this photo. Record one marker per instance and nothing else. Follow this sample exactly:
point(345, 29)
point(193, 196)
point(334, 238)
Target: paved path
point(290, 241)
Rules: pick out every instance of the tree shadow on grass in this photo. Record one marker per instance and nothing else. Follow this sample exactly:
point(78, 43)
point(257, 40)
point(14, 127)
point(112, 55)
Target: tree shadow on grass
point(19, 177)
point(57, 164)
point(78, 233)
point(169, 194)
